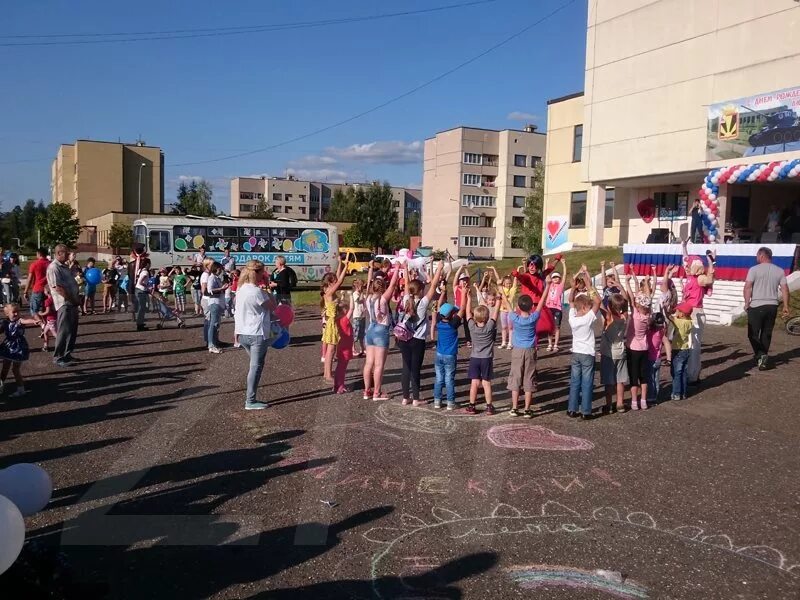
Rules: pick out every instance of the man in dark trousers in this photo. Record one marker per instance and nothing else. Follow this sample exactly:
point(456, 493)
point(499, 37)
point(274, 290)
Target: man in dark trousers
point(761, 303)
point(64, 291)
point(697, 223)
point(282, 281)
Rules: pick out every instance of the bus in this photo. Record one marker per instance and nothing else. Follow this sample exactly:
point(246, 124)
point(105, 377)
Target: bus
point(311, 248)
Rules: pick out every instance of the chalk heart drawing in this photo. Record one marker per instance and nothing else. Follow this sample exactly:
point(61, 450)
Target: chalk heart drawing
point(556, 525)
point(543, 576)
point(420, 421)
point(534, 437)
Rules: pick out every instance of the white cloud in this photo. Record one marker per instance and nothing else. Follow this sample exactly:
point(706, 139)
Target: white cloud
point(389, 152)
point(188, 178)
point(522, 116)
point(312, 161)
point(327, 175)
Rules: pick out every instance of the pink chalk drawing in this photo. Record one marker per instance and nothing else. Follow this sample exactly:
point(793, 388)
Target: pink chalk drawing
point(534, 437)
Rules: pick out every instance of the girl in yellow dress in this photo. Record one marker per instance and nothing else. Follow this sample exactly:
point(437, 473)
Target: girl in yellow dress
point(330, 333)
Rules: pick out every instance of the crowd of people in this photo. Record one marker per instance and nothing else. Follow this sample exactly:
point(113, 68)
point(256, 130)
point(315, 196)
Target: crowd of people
point(645, 327)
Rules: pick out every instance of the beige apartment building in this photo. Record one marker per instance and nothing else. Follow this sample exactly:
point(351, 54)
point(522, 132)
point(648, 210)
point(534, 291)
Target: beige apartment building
point(713, 85)
point(306, 200)
point(475, 182)
point(96, 178)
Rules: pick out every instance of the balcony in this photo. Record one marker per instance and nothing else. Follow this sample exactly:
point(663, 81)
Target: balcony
point(491, 160)
point(488, 180)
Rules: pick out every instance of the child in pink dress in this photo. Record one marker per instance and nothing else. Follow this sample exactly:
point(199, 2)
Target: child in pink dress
point(344, 349)
point(555, 299)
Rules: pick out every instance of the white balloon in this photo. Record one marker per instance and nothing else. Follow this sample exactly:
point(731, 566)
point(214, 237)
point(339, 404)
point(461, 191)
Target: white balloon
point(712, 197)
point(752, 176)
point(715, 180)
point(12, 526)
point(712, 238)
point(772, 176)
point(26, 485)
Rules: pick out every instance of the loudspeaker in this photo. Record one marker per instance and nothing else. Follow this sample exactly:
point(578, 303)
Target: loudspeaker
point(658, 236)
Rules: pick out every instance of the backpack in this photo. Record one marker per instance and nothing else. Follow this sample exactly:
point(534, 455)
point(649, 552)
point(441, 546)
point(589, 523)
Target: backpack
point(404, 330)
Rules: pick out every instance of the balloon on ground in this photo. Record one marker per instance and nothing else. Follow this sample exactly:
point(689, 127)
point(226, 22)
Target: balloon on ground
point(12, 529)
point(28, 486)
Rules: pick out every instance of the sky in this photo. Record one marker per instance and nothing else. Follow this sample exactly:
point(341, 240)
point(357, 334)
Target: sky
point(208, 97)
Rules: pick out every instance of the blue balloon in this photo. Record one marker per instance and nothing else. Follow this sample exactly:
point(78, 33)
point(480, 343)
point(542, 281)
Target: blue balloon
point(282, 340)
point(93, 276)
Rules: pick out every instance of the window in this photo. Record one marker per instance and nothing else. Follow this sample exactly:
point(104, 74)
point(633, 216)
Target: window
point(608, 221)
point(288, 197)
point(577, 143)
point(302, 210)
point(474, 200)
point(277, 197)
point(474, 241)
point(397, 203)
point(519, 181)
point(472, 179)
point(469, 221)
point(518, 202)
point(245, 208)
point(577, 210)
point(277, 209)
point(517, 221)
point(159, 241)
point(471, 158)
point(246, 196)
point(302, 197)
point(535, 160)
point(671, 205)
point(259, 196)
point(486, 222)
point(288, 209)
point(520, 160)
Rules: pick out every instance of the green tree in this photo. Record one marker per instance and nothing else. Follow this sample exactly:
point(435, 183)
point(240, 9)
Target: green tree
point(376, 215)
point(59, 225)
point(344, 206)
point(352, 237)
point(527, 234)
point(395, 240)
point(195, 199)
point(262, 210)
point(120, 236)
point(412, 224)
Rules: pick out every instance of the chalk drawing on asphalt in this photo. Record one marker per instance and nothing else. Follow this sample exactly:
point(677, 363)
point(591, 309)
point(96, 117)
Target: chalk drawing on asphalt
point(420, 421)
point(534, 437)
point(544, 576)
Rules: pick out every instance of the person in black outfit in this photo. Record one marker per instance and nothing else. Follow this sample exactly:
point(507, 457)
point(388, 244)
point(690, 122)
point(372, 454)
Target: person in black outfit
point(282, 281)
point(697, 223)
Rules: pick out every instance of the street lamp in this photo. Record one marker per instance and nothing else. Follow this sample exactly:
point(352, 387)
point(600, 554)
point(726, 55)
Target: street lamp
point(140, 188)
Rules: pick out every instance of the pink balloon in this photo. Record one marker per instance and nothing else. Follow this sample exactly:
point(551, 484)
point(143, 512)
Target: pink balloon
point(253, 241)
point(285, 314)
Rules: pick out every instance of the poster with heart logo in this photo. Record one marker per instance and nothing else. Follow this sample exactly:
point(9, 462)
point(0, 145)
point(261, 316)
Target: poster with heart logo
point(556, 233)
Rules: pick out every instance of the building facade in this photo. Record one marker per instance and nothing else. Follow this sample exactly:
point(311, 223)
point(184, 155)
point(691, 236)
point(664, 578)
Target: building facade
point(306, 200)
point(475, 182)
point(663, 106)
point(96, 178)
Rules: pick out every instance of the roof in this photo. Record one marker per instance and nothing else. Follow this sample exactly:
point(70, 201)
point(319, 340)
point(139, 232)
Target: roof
point(487, 129)
point(115, 143)
point(565, 98)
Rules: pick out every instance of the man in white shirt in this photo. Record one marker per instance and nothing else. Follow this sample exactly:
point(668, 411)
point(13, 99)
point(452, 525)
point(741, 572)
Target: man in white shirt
point(64, 290)
point(582, 315)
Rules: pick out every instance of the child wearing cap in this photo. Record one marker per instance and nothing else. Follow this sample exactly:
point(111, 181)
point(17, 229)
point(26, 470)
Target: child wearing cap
point(681, 321)
point(448, 320)
point(555, 298)
point(636, 343)
point(522, 374)
point(482, 325)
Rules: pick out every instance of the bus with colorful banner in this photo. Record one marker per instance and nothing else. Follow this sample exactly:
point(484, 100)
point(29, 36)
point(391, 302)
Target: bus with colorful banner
point(310, 248)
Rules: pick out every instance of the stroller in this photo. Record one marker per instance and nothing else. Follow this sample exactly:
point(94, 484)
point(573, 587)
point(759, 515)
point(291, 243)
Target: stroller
point(165, 313)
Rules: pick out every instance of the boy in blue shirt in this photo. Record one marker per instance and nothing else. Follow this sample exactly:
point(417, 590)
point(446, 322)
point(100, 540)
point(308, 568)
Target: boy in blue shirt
point(448, 320)
point(523, 356)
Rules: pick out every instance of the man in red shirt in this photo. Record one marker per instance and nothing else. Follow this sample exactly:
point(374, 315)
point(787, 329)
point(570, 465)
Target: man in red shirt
point(37, 280)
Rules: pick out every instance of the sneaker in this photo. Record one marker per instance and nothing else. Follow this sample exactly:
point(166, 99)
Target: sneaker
point(514, 413)
point(367, 394)
point(63, 363)
point(451, 406)
point(528, 413)
point(643, 405)
point(419, 402)
point(634, 406)
point(437, 403)
point(550, 348)
point(555, 348)
point(214, 350)
point(19, 393)
point(380, 396)
point(255, 405)
point(501, 346)
point(490, 410)
point(510, 347)
point(470, 410)
point(343, 390)
point(237, 345)
point(762, 362)
point(406, 402)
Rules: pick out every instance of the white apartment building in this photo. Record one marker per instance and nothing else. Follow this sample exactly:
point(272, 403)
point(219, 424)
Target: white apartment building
point(307, 200)
point(475, 182)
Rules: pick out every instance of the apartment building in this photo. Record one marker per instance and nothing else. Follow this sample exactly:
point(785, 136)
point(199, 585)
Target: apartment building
point(475, 182)
point(96, 178)
point(665, 106)
point(308, 200)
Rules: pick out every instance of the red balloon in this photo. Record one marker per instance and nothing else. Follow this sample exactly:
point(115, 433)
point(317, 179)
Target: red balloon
point(285, 314)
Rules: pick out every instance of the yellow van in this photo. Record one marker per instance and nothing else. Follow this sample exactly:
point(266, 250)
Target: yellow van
point(358, 259)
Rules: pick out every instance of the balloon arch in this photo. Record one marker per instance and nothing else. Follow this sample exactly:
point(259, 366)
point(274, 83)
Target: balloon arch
point(709, 192)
